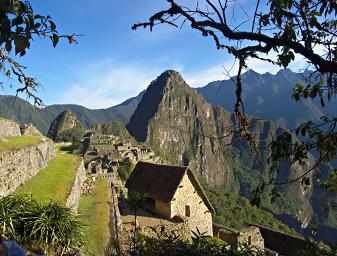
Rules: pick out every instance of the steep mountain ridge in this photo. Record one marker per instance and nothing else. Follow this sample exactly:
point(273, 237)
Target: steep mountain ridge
point(178, 123)
point(169, 119)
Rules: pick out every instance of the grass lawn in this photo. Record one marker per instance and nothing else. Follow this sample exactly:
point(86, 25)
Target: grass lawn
point(95, 212)
point(55, 181)
point(19, 142)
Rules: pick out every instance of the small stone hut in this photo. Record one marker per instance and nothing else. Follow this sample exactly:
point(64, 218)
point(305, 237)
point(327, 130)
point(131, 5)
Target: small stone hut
point(250, 236)
point(175, 191)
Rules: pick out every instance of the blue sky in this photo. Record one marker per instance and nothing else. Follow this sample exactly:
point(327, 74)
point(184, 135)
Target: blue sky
point(111, 62)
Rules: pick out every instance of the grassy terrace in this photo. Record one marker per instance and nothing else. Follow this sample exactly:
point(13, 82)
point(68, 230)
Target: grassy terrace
point(95, 213)
point(55, 181)
point(19, 142)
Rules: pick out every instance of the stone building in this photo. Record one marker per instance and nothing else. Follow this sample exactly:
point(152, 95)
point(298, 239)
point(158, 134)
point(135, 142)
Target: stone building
point(250, 236)
point(174, 192)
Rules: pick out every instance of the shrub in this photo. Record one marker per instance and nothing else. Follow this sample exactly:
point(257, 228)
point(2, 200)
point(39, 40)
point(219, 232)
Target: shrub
point(40, 227)
point(125, 170)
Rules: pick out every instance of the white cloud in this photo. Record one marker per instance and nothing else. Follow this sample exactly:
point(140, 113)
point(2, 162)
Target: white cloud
point(230, 68)
point(105, 84)
point(203, 77)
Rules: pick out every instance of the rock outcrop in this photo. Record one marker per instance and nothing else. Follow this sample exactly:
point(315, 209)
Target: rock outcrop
point(18, 166)
point(30, 130)
point(9, 128)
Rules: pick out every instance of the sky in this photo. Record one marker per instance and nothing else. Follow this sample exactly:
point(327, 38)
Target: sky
point(111, 62)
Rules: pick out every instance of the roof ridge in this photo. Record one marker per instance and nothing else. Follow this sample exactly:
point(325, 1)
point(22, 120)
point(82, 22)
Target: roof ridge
point(166, 165)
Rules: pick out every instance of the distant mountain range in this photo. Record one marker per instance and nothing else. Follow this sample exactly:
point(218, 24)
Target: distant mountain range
point(265, 95)
point(270, 97)
point(23, 112)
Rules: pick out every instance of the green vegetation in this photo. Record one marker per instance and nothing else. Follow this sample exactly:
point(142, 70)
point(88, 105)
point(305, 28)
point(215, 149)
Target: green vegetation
point(237, 212)
point(40, 227)
point(125, 170)
point(74, 134)
point(95, 211)
point(115, 128)
point(55, 181)
point(19, 142)
point(23, 112)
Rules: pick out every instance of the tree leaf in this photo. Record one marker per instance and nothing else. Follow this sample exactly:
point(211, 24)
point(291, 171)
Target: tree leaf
point(21, 43)
point(55, 39)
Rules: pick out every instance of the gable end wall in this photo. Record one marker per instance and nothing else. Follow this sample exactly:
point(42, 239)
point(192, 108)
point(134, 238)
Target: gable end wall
point(200, 216)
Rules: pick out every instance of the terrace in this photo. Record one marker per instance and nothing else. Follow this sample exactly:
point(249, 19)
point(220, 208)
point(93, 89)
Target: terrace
point(55, 181)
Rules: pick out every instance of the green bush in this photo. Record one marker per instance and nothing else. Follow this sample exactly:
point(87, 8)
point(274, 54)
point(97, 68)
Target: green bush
point(125, 170)
point(40, 227)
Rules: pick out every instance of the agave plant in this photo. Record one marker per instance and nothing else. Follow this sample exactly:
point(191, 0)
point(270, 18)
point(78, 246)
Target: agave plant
point(50, 227)
point(56, 226)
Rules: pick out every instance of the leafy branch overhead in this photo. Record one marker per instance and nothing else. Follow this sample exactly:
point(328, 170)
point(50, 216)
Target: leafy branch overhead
point(19, 27)
point(274, 31)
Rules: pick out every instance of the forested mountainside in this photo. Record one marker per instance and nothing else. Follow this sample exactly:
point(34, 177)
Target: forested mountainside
point(182, 127)
point(270, 97)
point(265, 95)
point(113, 127)
point(23, 112)
point(66, 126)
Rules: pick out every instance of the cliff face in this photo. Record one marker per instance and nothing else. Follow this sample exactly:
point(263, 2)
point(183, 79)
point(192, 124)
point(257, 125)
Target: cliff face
point(65, 122)
point(176, 122)
point(17, 166)
point(184, 129)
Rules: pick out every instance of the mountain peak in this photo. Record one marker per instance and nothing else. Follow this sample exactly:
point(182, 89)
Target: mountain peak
point(170, 73)
point(64, 121)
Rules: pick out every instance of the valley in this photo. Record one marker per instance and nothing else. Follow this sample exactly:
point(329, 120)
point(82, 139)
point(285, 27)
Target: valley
point(171, 123)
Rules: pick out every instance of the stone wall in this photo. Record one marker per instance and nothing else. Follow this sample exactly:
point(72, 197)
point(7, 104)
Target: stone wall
point(187, 196)
point(9, 128)
point(250, 236)
point(74, 197)
point(19, 165)
point(116, 218)
point(161, 231)
point(284, 244)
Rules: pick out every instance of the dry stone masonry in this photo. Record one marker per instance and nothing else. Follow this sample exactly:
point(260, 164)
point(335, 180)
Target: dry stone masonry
point(19, 165)
point(74, 197)
point(9, 128)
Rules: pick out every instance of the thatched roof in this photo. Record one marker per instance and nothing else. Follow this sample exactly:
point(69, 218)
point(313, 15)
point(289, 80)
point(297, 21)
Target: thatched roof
point(161, 182)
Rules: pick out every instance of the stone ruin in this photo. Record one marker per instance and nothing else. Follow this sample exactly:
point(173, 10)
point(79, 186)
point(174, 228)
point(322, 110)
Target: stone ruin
point(88, 187)
point(250, 236)
point(106, 152)
point(9, 128)
point(30, 130)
